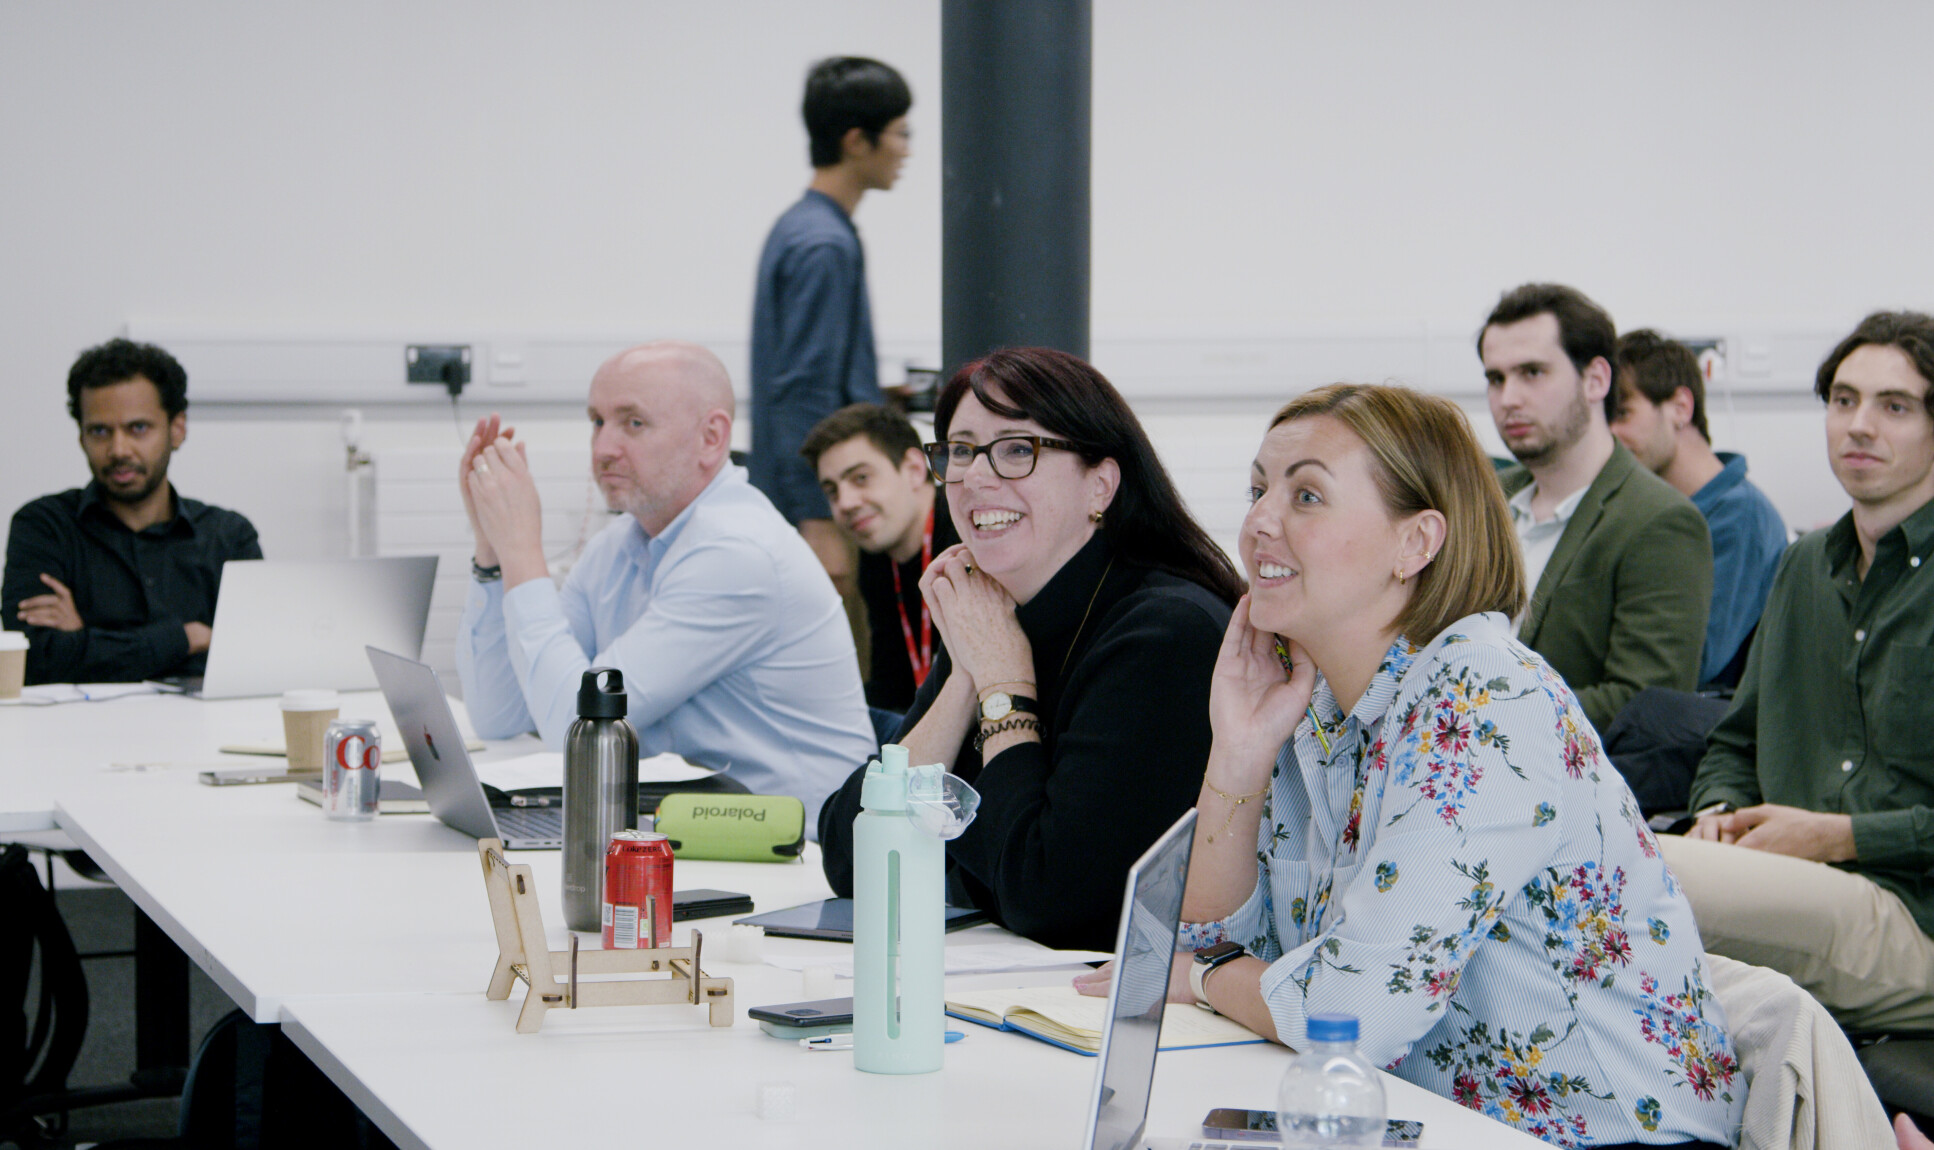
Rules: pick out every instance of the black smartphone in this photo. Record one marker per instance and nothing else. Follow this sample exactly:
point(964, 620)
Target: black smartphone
point(690, 904)
point(805, 1019)
point(1260, 1126)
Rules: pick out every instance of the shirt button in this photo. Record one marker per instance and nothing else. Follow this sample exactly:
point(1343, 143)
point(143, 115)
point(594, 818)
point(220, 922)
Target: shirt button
point(1847, 766)
point(1914, 562)
point(1860, 636)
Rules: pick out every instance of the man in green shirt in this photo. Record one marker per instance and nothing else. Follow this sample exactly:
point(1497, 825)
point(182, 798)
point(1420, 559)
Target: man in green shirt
point(1813, 850)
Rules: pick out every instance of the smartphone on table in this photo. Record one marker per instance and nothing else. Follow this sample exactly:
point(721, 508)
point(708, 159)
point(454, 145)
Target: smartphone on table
point(1260, 1126)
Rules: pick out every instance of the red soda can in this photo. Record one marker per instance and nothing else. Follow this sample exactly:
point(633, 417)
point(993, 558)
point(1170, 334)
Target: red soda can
point(637, 891)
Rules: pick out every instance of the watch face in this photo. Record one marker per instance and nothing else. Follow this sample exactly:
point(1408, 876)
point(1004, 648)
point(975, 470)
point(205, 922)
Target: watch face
point(996, 706)
point(1220, 952)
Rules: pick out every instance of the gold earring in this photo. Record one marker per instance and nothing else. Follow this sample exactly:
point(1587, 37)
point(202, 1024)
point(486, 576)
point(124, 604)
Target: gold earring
point(1400, 575)
point(1094, 517)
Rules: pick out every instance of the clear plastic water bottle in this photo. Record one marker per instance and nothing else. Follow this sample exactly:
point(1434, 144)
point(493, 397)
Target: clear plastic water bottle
point(1330, 1095)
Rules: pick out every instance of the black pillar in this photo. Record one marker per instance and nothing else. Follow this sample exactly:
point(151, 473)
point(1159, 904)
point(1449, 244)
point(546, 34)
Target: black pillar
point(1014, 111)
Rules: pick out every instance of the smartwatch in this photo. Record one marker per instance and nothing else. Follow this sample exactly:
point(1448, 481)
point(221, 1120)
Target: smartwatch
point(999, 705)
point(1206, 960)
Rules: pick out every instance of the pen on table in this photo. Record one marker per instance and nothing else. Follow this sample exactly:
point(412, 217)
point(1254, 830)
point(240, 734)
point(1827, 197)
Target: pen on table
point(845, 1041)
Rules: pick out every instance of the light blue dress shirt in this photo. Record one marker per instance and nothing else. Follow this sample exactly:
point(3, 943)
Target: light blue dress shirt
point(1463, 871)
point(735, 648)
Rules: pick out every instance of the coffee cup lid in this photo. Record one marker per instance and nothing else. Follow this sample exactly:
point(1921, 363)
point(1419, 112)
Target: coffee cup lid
point(311, 700)
point(13, 641)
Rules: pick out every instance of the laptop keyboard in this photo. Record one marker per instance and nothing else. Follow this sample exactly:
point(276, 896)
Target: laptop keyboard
point(530, 822)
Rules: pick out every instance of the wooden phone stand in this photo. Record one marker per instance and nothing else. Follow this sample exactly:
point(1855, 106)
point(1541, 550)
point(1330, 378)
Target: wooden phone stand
point(523, 953)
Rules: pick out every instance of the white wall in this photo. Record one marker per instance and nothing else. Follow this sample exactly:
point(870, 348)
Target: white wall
point(1260, 168)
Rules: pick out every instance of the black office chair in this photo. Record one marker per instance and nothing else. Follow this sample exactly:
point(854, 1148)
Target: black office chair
point(1901, 1069)
point(41, 980)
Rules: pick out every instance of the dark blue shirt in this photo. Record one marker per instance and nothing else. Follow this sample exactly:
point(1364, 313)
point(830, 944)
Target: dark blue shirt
point(1748, 537)
point(812, 347)
point(133, 589)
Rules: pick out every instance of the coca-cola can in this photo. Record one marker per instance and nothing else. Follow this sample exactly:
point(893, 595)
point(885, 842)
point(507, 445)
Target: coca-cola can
point(637, 891)
point(352, 768)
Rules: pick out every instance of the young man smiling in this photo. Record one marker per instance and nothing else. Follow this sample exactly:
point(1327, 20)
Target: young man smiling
point(1619, 564)
point(876, 481)
point(116, 581)
point(1813, 852)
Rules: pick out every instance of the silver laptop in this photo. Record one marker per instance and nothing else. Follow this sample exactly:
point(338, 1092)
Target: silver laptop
point(456, 796)
point(281, 624)
point(1151, 916)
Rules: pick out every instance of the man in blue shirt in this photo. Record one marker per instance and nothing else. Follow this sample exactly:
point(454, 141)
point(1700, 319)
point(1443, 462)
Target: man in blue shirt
point(812, 329)
point(733, 644)
point(1662, 420)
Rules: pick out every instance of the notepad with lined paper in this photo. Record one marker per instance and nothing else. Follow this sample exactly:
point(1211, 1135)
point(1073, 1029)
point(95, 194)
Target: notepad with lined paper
point(1064, 1017)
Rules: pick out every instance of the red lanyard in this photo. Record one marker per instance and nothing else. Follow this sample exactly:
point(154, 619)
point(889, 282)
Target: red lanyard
point(921, 658)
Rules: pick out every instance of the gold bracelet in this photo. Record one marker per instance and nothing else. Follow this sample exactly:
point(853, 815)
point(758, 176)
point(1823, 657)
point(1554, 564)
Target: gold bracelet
point(1234, 801)
point(986, 691)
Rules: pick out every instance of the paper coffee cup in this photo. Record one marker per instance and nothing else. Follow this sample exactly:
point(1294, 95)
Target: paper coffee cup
point(306, 716)
point(13, 663)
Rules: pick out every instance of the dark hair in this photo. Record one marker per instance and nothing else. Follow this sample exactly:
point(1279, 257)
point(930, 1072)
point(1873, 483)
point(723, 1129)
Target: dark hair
point(1910, 331)
point(1658, 367)
point(884, 427)
point(1584, 329)
point(1426, 458)
point(847, 92)
point(119, 360)
point(1147, 522)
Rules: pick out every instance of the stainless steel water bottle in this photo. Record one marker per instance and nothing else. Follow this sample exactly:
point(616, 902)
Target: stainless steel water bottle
point(600, 792)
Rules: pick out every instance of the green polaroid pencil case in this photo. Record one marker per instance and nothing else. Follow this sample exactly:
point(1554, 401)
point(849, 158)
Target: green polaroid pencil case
point(733, 828)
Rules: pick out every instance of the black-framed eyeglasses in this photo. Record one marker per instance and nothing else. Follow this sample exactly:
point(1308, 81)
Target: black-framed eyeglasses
point(1011, 456)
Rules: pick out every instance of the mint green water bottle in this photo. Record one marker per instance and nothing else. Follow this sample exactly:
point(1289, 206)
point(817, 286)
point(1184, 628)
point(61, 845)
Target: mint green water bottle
point(899, 932)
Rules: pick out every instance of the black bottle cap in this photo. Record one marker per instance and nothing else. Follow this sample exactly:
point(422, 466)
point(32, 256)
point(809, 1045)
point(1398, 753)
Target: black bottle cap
point(602, 700)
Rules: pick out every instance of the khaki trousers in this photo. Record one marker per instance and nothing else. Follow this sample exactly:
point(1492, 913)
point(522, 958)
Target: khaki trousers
point(1852, 944)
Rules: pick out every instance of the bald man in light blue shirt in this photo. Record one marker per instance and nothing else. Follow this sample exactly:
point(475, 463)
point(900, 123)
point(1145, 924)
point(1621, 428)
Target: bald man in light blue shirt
point(734, 646)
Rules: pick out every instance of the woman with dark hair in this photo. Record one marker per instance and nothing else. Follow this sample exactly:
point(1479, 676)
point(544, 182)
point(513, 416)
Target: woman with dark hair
point(1080, 618)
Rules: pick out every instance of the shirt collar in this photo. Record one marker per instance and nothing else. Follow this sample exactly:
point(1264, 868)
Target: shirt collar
point(1911, 537)
point(1730, 476)
point(657, 545)
point(1369, 709)
point(1520, 505)
point(182, 522)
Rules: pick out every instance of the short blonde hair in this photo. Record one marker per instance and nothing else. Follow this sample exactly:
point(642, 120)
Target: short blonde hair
point(1428, 459)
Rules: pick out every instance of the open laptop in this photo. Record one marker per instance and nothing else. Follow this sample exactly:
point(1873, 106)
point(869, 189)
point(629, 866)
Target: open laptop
point(450, 784)
point(281, 624)
point(1151, 917)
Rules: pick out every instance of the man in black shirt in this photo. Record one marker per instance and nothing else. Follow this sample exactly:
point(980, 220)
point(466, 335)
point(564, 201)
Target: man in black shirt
point(116, 581)
point(875, 478)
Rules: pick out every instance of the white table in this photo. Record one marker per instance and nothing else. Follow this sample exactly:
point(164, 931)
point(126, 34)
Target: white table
point(372, 943)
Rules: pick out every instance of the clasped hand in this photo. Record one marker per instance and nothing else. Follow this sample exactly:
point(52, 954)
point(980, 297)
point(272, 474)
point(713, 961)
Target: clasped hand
point(975, 617)
point(1254, 706)
point(500, 498)
point(1794, 831)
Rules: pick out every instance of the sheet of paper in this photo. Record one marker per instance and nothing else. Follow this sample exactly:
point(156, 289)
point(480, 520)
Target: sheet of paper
point(546, 769)
point(984, 958)
point(47, 694)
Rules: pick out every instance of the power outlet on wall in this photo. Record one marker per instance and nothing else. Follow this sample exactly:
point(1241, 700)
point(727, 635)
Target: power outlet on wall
point(441, 363)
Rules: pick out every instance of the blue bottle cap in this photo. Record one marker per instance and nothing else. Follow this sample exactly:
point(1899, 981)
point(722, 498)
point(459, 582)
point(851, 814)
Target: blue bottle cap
point(1332, 1028)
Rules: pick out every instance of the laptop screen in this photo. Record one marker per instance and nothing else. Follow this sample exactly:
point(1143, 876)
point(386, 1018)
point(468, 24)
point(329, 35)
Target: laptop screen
point(1144, 955)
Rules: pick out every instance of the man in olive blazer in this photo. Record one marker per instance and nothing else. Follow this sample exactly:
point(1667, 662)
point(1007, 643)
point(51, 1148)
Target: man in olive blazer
point(1620, 563)
point(1622, 604)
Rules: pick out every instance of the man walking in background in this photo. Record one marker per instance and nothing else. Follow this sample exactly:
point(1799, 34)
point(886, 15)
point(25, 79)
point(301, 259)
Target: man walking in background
point(812, 328)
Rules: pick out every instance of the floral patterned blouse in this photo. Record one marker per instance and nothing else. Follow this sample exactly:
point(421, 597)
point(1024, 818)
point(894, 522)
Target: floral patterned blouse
point(1464, 871)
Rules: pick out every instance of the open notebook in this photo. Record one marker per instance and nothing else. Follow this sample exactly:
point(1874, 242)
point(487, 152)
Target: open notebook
point(1074, 1021)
